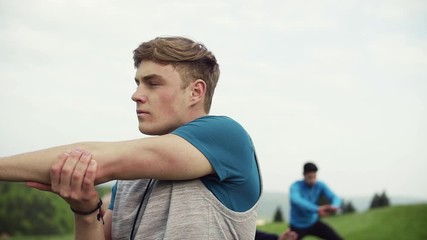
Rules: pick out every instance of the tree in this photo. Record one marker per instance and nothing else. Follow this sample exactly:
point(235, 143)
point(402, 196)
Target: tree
point(347, 207)
point(278, 216)
point(384, 201)
point(375, 201)
point(380, 200)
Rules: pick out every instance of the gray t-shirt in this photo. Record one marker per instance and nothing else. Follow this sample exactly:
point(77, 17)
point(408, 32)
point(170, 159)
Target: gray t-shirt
point(177, 210)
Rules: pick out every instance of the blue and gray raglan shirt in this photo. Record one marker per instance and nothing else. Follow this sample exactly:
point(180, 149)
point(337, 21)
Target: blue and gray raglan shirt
point(304, 199)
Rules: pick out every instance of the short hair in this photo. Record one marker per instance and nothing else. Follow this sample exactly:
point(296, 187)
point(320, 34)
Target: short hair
point(310, 167)
point(191, 59)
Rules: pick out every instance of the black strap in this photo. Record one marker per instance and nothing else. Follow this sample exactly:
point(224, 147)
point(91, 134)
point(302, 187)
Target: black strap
point(133, 233)
point(99, 216)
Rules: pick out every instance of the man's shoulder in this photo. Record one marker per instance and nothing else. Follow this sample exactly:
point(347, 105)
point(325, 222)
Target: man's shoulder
point(215, 124)
point(320, 184)
point(297, 183)
point(216, 119)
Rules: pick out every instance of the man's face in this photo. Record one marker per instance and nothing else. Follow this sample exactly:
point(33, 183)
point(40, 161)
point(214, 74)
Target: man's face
point(310, 178)
point(161, 103)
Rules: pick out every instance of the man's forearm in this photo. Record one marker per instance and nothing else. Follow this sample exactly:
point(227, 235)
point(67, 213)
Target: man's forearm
point(35, 166)
point(30, 166)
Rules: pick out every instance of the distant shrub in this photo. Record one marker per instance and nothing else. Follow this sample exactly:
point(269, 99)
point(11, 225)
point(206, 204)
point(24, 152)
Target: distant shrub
point(380, 200)
point(28, 211)
point(278, 216)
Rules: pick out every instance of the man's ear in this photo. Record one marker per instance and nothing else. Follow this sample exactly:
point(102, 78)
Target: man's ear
point(198, 91)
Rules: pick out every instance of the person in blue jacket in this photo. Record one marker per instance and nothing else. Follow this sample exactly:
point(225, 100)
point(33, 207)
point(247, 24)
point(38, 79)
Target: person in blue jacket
point(305, 212)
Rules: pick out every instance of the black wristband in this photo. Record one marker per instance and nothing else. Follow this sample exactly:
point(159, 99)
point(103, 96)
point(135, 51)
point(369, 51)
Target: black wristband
point(99, 216)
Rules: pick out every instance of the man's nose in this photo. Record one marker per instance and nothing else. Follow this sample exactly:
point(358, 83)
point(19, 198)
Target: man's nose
point(139, 96)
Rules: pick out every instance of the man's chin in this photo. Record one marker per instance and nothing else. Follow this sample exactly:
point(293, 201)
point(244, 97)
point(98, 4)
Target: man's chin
point(153, 131)
point(148, 132)
point(310, 184)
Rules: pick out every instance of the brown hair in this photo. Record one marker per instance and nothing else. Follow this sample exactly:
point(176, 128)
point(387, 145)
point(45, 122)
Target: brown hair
point(191, 59)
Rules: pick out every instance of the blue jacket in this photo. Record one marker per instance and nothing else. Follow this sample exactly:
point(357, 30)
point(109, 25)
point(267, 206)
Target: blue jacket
point(304, 199)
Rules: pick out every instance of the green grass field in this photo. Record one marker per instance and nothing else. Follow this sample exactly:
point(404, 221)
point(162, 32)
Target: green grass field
point(397, 222)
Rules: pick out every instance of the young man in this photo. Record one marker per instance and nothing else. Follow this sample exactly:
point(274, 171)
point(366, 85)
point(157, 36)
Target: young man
point(196, 178)
point(305, 213)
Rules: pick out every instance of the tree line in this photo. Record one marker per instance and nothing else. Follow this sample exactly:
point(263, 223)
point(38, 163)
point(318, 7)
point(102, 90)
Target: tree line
point(25, 211)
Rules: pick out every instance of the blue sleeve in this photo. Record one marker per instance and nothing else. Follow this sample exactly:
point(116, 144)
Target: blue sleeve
point(113, 196)
point(230, 151)
point(221, 140)
point(335, 200)
point(298, 200)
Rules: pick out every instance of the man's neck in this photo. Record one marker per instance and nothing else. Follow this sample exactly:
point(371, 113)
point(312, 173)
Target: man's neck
point(193, 115)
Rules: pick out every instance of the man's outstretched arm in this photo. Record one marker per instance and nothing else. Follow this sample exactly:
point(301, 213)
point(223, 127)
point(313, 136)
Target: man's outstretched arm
point(297, 199)
point(165, 157)
point(31, 166)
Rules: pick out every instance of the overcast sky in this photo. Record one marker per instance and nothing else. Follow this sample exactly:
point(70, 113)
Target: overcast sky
point(340, 83)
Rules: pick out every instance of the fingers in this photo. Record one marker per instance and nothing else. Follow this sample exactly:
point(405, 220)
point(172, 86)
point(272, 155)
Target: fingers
point(55, 172)
point(79, 172)
point(73, 177)
point(67, 172)
point(323, 210)
point(84, 196)
point(332, 209)
point(70, 173)
point(89, 179)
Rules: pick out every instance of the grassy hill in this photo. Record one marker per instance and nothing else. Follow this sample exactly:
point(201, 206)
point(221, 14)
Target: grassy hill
point(271, 200)
point(397, 222)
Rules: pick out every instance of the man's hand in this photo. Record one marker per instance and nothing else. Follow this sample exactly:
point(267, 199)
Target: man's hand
point(323, 210)
point(72, 177)
point(289, 235)
point(332, 209)
point(326, 210)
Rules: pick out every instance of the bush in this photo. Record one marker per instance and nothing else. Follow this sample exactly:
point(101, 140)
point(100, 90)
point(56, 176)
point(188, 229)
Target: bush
point(28, 211)
point(278, 216)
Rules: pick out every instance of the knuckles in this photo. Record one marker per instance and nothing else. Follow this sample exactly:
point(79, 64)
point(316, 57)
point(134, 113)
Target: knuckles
point(55, 170)
point(76, 176)
point(64, 193)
